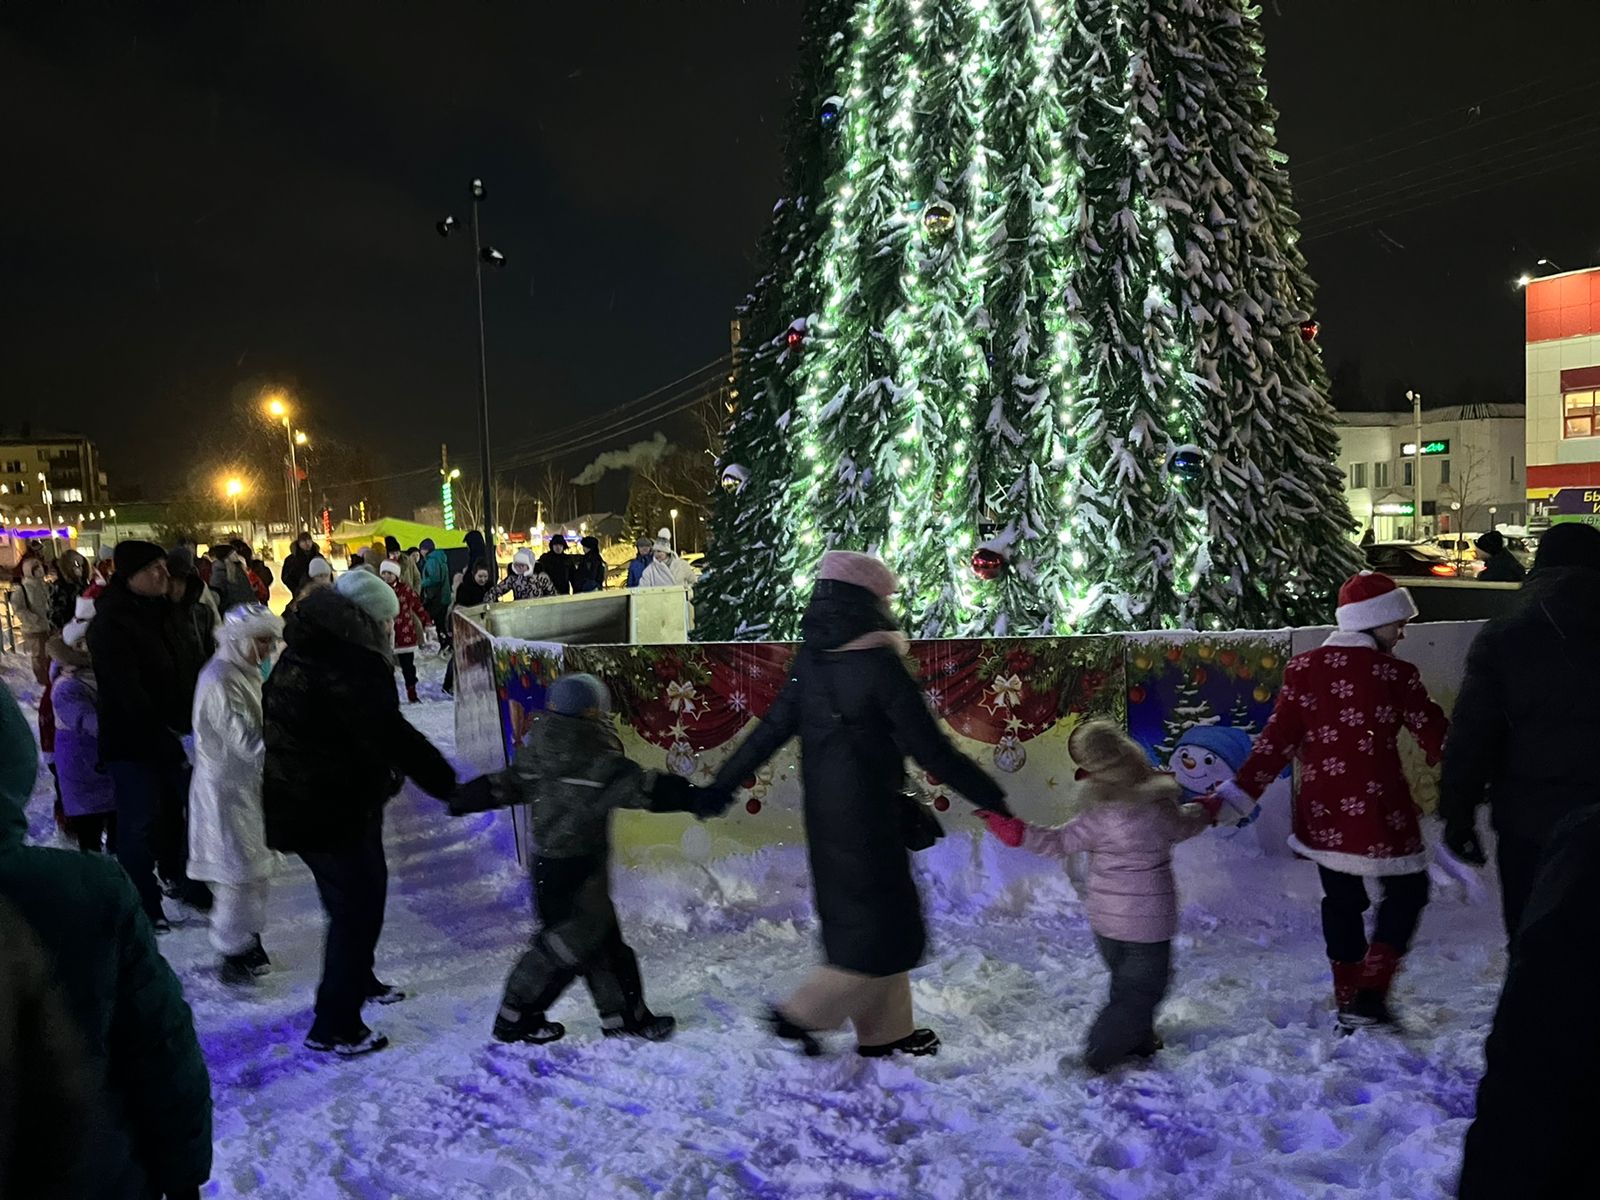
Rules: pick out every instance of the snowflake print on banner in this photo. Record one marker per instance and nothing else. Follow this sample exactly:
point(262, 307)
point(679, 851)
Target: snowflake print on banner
point(1352, 717)
point(1343, 689)
point(739, 702)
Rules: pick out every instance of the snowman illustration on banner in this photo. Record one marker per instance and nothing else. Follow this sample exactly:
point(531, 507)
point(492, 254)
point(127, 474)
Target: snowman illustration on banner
point(1208, 756)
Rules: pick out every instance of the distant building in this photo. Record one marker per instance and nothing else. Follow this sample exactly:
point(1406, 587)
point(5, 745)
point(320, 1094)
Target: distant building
point(1562, 347)
point(69, 463)
point(1473, 466)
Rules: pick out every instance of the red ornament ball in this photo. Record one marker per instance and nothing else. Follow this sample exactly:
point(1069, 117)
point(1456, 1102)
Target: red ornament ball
point(941, 803)
point(1136, 695)
point(794, 339)
point(1199, 676)
point(749, 783)
point(1020, 662)
point(667, 671)
point(1309, 331)
point(987, 564)
point(752, 806)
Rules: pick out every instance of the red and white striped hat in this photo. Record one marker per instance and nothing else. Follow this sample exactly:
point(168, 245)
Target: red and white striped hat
point(1368, 600)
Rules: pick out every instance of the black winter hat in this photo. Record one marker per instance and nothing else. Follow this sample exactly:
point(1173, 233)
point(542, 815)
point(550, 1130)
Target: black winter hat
point(391, 544)
point(1492, 542)
point(1567, 545)
point(131, 557)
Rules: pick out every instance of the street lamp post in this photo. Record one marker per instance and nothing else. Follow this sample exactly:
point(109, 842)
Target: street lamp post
point(234, 488)
point(1416, 478)
point(481, 254)
point(49, 513)
point(674, 515)
point(278, 409)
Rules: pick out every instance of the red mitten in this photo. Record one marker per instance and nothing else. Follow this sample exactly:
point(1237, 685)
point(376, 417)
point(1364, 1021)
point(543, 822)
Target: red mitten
point(1211, 802)
point(1010, 830)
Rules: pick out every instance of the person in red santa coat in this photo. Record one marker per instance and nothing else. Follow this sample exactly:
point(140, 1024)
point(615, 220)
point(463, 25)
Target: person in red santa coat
point(1340, 712)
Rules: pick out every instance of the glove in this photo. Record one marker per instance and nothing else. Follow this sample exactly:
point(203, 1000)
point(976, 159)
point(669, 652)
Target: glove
point(1235, 797)
point(1212, 803)
point(476, 795)
point(1461, 840)
point(708, 802)
point(1010, 830)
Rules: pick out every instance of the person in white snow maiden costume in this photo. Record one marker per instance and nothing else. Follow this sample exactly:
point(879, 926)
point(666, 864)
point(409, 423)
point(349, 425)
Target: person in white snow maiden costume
point(1340, 712)
point(227, 831)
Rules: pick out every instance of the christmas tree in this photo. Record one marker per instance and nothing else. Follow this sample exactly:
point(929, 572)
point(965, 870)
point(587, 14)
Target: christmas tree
point(1034, 328)
point(1189, 709)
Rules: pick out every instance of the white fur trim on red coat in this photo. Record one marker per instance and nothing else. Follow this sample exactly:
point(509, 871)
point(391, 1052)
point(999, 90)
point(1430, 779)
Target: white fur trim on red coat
point(1384, 609)
point(1360, 864)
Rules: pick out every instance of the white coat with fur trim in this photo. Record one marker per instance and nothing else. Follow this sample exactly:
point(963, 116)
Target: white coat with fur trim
point(227, 831)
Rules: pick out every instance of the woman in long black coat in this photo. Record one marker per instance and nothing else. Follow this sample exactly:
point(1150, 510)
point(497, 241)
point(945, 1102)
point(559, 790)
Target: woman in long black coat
point(858, 713)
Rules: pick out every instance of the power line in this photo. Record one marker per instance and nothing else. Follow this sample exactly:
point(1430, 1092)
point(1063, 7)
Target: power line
point(581, 433)
point(1556, 160)
point(1441, 114)
point(1532, 140)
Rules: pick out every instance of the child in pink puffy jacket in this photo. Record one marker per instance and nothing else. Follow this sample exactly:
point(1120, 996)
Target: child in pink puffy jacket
point(1130, 821)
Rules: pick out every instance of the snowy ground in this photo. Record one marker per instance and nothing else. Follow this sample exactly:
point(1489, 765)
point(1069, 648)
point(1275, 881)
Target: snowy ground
point(1253, 1098)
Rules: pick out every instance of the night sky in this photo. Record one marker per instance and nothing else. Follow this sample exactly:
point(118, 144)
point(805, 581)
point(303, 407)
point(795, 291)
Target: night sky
point(202, 199)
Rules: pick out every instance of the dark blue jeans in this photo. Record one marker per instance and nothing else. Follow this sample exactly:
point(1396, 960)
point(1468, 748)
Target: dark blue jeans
point(151, 831)
point(354, 887)
point(1140, 972)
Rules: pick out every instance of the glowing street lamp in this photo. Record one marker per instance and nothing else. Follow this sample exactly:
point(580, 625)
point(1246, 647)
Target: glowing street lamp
point(278, 409)
point(234, 488)
point(674, 515)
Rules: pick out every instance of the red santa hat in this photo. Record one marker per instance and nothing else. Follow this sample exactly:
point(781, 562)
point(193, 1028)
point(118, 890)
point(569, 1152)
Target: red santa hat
point(1368, 600)
point(76, 632)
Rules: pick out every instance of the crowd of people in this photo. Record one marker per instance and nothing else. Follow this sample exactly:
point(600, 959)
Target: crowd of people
point(191, 730)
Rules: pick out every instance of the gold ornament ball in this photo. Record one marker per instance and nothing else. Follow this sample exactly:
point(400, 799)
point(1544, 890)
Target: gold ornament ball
point(938, 220)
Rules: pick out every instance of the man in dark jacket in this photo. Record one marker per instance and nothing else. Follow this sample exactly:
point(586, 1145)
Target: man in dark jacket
point(556, 564)
point(1500, 565)
point(146, 694)
point(124, 1001)
point(644, 553)
point(331, 698)
point(1509, 743)
point(859, 714)
point(298, 563)
point(1537, 1104)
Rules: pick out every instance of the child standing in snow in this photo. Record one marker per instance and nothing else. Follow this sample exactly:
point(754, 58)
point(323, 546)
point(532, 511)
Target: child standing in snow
point(571, 771)
point(524, 581)
point(1129, 825)
point(408, 626)
point(227, 827)
point(1340, 712)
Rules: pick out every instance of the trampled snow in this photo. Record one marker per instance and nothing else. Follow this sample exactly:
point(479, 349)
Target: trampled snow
point(1254, 1097)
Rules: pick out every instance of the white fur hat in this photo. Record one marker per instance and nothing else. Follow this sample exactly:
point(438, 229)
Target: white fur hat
point(389, 567)
point(320, 568)
point(245, 622)
point(525, 557)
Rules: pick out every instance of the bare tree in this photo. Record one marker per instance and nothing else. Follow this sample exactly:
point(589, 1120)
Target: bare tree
point(1471, 484)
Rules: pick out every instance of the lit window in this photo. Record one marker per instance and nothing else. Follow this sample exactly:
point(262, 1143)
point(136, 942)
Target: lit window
point(1578, 413)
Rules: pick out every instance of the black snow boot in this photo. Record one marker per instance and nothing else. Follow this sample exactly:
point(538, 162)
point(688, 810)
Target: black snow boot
point(647, 1025)
point(917, 1043)
point(256, 958)
point(788, 1031)
point(510, 1025)
point(379, 992)
point(235, 970)
point(367, 1041)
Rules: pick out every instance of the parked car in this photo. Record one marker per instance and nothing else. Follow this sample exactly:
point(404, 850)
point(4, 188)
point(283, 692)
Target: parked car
point(1411, 559)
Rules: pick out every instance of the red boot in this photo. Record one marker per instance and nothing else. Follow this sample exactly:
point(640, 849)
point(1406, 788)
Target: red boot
point(1374, 978)
point(1346, 983)
point(411, 692)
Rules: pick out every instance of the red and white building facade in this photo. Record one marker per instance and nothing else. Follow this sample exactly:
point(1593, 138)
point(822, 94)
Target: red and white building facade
point(1563, 410)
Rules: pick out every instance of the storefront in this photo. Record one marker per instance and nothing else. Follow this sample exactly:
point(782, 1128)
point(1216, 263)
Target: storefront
point(1563, 390)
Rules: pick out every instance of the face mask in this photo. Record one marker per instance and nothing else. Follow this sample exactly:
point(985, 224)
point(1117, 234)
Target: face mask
point(265, 669)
